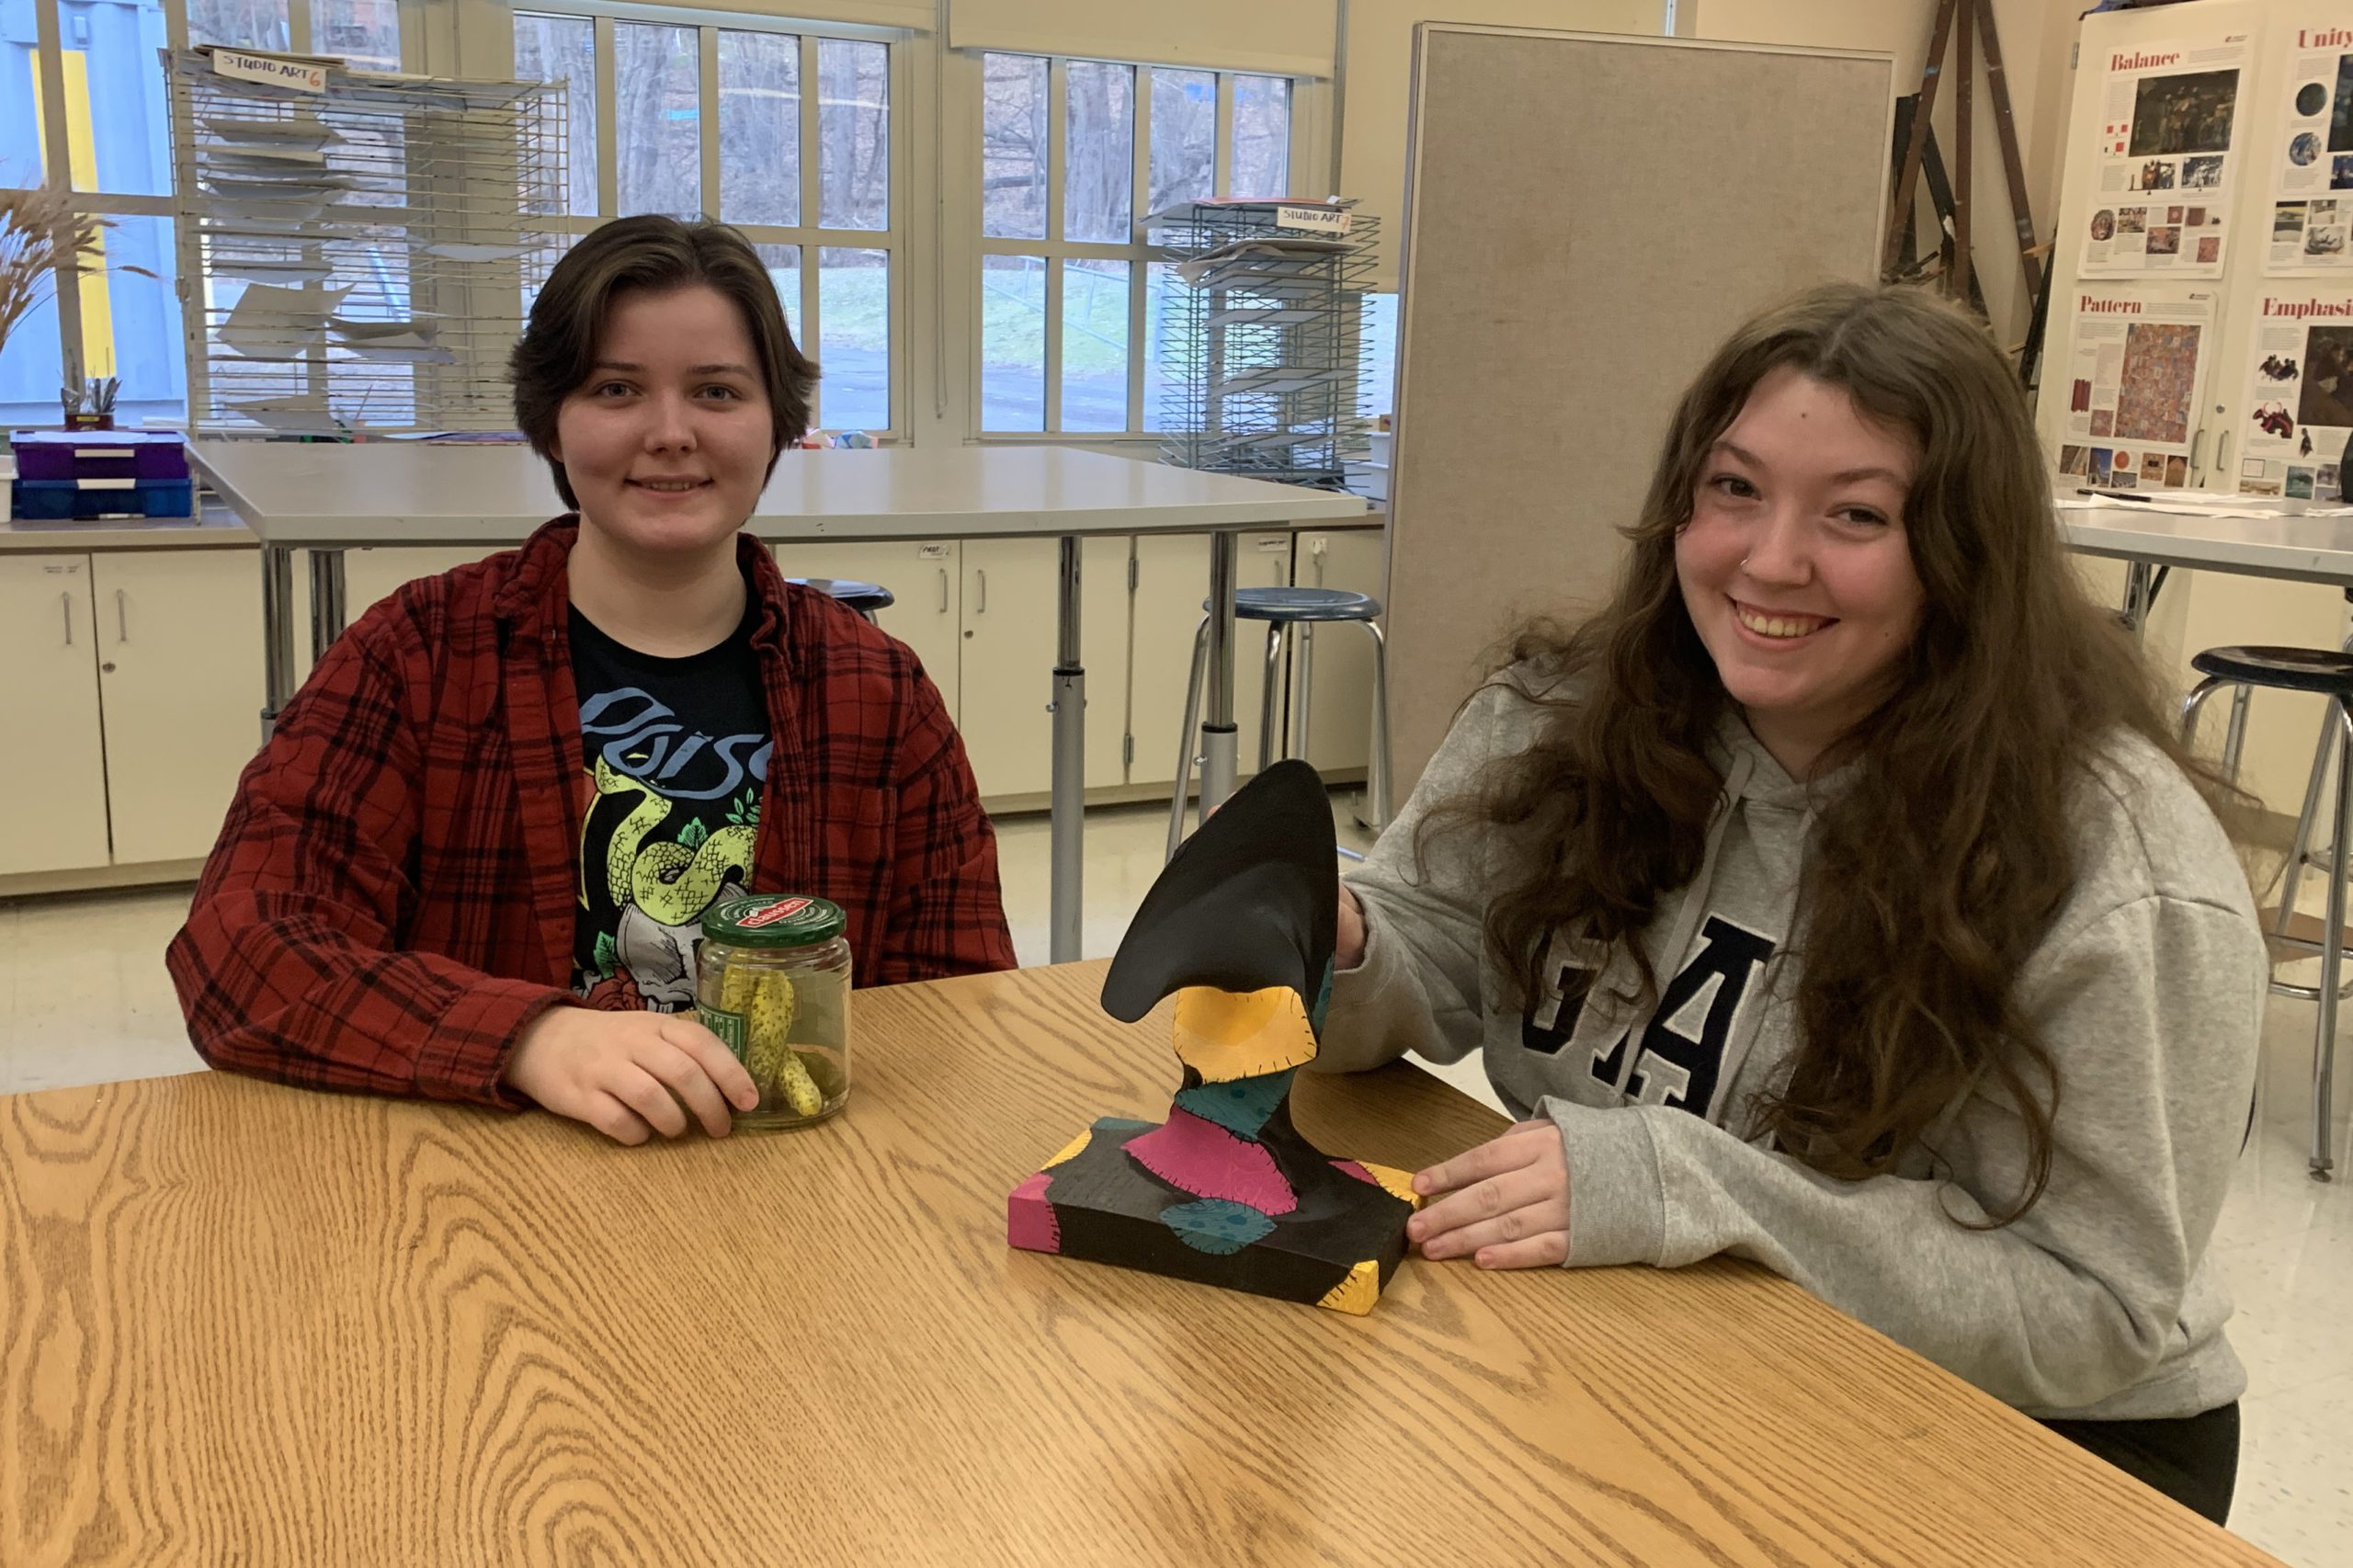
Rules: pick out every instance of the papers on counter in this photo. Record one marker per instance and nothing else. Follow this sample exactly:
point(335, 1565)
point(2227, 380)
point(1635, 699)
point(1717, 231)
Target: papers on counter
point(2200, 504)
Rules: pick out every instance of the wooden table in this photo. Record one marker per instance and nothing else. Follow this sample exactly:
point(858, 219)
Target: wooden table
point(245, 1324)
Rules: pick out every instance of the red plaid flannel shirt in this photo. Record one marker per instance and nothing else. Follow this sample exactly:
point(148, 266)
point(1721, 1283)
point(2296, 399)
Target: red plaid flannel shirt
point(393, 896)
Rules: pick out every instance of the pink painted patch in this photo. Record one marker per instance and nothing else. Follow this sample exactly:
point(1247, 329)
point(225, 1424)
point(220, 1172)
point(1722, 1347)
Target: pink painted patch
point(1205, 1160)
point(1350, 1167)
point(1029, 1221)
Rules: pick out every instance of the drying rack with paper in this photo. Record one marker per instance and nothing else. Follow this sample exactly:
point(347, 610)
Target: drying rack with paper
point(359, 258)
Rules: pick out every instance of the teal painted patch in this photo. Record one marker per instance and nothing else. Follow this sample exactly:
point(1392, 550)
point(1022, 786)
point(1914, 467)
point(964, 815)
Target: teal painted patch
point(1216, 1225)
point(1240, 1107)
point(1120, 1128)
point(1323, 1000)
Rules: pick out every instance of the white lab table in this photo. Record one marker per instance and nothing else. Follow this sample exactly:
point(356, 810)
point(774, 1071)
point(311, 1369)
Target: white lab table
point(2294, 548)
point(329, 497)
point(2297, 548)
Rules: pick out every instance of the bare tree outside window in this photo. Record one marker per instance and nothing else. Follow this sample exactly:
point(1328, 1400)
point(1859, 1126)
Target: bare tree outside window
point(657, 113)
point(759, 127)
point(1088, 273)
point(1013, 147)
point(563, 48)
point(242, 24)
point(1183, 138)
point(853, 134)
point(365, 32)
point(1261, 136)
point(1098, 152)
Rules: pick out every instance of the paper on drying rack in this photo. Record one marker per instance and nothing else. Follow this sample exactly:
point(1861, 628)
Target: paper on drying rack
point(246, 209)
point(300, 128)
point(291, 417)
point(400, 344)
point(355, 328)
point(272, 323)
point(402, 353)
point(265, 157)
point(284, 182)
point(455, 251)
point(262, 269)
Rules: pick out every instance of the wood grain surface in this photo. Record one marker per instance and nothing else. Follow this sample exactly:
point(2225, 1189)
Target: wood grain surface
point(244, 1324)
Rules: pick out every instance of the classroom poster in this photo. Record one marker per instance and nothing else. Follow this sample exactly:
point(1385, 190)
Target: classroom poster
point(2310, 155)
point(2299, 407)
point(2166, 162)
point(2133, 368)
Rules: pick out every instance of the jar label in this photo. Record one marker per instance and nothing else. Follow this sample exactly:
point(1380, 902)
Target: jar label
point(728, 1026)
point(784, 909)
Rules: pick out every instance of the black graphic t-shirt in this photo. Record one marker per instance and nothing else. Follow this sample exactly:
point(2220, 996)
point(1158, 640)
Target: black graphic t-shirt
point(674, 752)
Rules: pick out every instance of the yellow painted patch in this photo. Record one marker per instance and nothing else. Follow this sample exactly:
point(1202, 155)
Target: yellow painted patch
point(1358, 1292)
point(1226, 1035)
point(1070, 1150)
point(1394, 1182)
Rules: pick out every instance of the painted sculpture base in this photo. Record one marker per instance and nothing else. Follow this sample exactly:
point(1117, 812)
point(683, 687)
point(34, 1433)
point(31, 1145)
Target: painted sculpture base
point(1270, 1214)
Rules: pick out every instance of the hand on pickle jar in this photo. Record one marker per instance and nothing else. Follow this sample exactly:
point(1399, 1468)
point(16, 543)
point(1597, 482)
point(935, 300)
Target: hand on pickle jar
point(630, 1076)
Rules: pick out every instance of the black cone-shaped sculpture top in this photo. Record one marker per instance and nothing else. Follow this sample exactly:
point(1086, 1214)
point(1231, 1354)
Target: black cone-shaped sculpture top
point(1251, 901)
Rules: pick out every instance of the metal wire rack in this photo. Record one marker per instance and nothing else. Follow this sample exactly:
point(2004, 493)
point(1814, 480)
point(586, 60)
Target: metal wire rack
point(359, 257)
point(1259, 347)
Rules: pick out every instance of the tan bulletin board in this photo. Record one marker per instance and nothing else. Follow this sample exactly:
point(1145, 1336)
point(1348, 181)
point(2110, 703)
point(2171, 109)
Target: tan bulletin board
point(1587, 217)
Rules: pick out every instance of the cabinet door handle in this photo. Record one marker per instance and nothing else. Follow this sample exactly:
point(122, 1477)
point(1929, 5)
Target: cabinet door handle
point(65, 602)
point(943, 590)
point(981, 573)
point(121, 618)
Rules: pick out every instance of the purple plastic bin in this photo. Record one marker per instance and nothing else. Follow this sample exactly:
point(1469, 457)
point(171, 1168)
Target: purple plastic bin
point(99, 454)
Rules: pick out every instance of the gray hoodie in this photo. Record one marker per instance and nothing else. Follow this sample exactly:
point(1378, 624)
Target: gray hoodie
point(2148, 993)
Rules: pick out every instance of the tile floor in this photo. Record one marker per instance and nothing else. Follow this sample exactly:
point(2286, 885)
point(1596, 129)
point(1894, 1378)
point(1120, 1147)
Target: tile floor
point(84, 999)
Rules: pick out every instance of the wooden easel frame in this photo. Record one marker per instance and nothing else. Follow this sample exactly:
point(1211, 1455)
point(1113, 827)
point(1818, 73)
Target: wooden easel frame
point(1959, 24)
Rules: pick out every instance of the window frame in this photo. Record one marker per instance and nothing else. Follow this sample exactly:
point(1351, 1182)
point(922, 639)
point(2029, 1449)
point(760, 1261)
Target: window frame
point(965, 205)
point(810, 237)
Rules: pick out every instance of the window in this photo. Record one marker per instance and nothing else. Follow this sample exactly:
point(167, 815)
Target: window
point(793, 144)
point(1075, 157)
point(92, 119)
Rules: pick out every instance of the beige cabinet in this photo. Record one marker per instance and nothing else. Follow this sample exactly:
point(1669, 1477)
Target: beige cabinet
point(925, 580)
point(54, 789)
point(1010, 592)
point(1171, 581)
point(180, 669)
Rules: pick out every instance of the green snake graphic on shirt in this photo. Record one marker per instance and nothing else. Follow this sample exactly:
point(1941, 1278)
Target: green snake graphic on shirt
point(670, 816)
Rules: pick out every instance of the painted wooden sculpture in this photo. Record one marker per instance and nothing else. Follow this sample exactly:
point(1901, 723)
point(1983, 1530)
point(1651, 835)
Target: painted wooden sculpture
point(1240, 928)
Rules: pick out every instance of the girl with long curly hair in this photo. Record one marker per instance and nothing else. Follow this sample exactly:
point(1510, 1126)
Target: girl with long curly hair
point(1838, 897)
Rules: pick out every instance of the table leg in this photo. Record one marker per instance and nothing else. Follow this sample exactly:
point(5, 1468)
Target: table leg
point(1218, 735)
point(277, 634)
point(1066, 822)
point(2138, 574)
point(326, 601)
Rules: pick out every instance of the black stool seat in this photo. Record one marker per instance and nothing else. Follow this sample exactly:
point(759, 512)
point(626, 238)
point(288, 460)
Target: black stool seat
point(1291, 605)
point(863, 597)
point(2323, 670)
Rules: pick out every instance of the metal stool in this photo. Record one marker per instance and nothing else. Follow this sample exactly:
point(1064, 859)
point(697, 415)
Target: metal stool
point(2330, 673)
point(1287, 611)
point(864, 597)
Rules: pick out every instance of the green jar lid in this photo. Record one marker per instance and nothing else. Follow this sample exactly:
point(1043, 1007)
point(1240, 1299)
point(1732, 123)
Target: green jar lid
point(773, 920)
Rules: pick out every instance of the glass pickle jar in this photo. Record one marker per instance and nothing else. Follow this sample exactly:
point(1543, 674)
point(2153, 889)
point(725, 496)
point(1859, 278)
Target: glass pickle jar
point(772, 981)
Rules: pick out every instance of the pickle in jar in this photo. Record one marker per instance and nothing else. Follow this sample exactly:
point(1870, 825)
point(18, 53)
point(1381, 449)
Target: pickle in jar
point(768, 1003)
